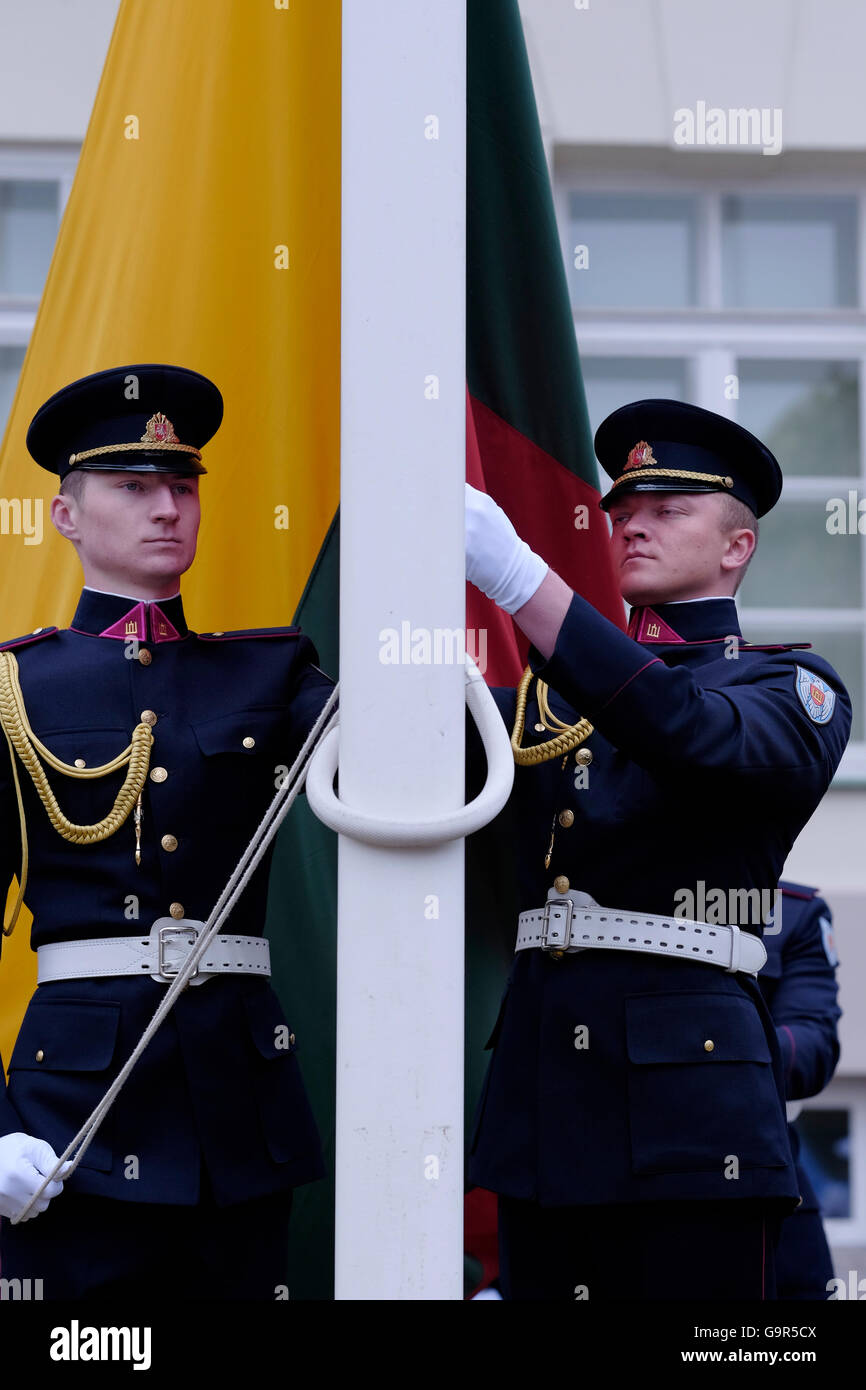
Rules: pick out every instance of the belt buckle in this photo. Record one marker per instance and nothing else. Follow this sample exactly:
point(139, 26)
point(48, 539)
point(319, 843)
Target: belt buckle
point(556, 926)
point(165, 971)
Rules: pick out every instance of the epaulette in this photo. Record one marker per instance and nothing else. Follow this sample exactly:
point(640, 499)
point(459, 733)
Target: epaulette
point(797, 890)
point(249, 632)
point(37, 635)
point(775, 646)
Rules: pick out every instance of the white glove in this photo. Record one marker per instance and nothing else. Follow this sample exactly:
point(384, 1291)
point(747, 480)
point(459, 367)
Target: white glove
point(498, 562)
point(24, 1162)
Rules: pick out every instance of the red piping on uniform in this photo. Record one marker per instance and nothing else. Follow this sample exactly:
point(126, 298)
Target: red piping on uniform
point(242, 636)
point(741, 643)
point(25, 641)
point(629, 681)
point(793, 1044)
point(763, 1260)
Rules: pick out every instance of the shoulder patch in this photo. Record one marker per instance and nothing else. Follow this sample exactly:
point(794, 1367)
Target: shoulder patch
point(38, 635)
point(249, 632)
point(829, 940)
point(815, 695)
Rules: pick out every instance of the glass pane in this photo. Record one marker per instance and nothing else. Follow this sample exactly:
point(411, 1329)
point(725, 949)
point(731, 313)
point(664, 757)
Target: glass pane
point(808, 413)
point(843, 650)
point(799, 564)
point(614, 381)
point(10, 365)
point(789, 253)
point(28, 230)
point(825, 1150)
point(640, 251)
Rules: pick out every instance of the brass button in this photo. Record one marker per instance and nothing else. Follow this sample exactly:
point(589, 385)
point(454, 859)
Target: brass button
point(79, 762)
point(566, 819)
point(158, 774)
point(169, 843)
point(709, 1045)
point(583, 756)
point(147, 716)
point(249, 742)
point(176, 911)
point(539, 728)
point(40, 1055)
point(291, 1039)
point(561, 884)
point(145, 657)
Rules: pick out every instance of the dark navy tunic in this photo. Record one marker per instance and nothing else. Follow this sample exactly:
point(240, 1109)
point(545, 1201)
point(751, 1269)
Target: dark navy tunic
point(709, 756)
point(218, 1086)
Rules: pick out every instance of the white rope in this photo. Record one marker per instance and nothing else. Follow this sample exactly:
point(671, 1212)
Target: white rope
point(243, 871)
point(359, 824)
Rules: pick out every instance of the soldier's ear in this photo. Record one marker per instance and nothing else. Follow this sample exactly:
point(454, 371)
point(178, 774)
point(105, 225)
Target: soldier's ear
point(64, 516)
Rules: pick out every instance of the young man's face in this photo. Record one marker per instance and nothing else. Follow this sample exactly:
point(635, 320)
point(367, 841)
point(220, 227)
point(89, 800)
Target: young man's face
point(670, 545)
point(134, 532)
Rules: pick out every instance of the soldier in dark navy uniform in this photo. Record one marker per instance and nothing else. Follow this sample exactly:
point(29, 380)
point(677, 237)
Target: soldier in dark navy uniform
point(187, 1185)
point(798, 982)
point(632, 1119)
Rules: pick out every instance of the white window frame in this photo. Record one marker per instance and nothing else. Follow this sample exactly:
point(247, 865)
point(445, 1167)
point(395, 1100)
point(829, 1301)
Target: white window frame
point(39, 163)
point(711, 339)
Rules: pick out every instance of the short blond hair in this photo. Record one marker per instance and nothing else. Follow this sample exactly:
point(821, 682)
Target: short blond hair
point(73, 484)
point(735, 515)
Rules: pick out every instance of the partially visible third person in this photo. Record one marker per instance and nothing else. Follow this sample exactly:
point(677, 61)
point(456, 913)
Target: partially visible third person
point(799, 984)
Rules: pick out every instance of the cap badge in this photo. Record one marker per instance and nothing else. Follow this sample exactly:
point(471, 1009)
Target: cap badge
point(159, 430)
point(641, 456)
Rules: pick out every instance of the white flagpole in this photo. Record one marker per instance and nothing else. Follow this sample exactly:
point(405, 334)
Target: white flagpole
point(400, 952)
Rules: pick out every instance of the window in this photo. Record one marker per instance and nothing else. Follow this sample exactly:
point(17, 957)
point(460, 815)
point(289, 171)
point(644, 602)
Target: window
point(34, 187)
point(832, 1129)
point(789, 253)
point(621, 235)
point(11, 359)
point(28, 230)
point(749, 301)
point(825, 1152)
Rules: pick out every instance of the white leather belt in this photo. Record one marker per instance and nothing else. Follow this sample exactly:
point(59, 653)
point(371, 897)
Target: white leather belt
point(573, 921)
point(159, 955)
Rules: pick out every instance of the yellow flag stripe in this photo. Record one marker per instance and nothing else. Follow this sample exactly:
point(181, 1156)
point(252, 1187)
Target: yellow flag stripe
point(202, 229)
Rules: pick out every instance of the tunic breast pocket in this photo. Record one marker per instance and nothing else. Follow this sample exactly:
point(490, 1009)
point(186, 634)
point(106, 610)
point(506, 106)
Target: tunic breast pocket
point(60, 1067)
point(244, 753)
point(244, 733)
point(701, 1087)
